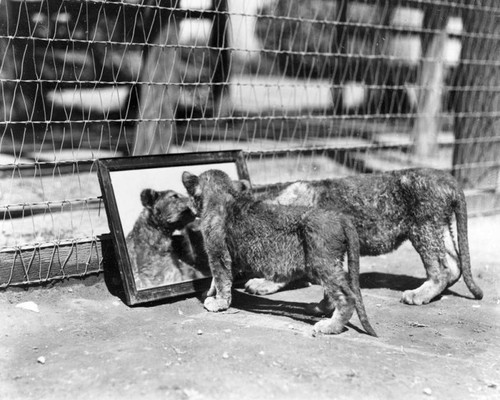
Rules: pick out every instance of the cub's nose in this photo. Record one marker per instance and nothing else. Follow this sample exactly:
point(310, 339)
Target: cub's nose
point(192, 208)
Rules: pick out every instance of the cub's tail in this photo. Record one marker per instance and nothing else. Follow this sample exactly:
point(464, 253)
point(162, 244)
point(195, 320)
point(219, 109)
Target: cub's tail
point(353, 266)
point(463, 245)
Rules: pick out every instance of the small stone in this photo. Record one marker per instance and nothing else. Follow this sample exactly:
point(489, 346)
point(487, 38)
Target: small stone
point(427, 391)
point(225, 355)
point(200, 332)
point(417, 325)
point(351, 374)
point(40, 360)
point(227, 330)
point(28, 305)
point(193, 394)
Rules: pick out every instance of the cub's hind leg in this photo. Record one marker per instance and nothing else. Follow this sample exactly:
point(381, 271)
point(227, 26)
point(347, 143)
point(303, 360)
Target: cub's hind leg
point(429, 243)
point(324, 308)
point(338, 296)
point(450, 261)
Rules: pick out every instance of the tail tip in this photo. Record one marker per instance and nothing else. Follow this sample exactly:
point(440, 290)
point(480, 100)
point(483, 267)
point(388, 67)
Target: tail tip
point(371, 332)
point(476, 291)
point(369, 329)
point(478, 294)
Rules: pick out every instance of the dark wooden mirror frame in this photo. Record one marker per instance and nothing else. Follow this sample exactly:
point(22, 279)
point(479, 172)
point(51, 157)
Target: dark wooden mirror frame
point(107, 166)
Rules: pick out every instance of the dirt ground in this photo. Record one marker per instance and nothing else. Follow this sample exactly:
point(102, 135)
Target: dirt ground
point(84, 343)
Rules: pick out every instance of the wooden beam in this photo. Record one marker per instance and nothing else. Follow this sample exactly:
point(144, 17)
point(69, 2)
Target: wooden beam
point(45, 262)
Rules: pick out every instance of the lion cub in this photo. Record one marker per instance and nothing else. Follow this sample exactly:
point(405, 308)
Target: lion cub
point(158, 257)
point(281, 243)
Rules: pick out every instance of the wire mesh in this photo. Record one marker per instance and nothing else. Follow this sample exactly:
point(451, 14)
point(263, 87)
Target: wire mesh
point(309, 90)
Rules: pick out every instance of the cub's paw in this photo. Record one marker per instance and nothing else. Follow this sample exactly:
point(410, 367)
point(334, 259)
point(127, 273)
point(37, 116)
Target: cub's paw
point(410, 297)
point(327, 327)
point(417, 297)
point(262, 286)
point(315, 310)
point(425, 293)
point(215, 304)
point(321, 309)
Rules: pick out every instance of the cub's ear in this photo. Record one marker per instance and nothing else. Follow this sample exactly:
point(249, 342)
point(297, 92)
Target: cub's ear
point(242, 186)
point(149, 197)
point(191, 183)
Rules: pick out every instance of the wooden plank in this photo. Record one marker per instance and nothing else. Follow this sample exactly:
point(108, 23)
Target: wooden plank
point(30, 209)
point(51, 261)
point(51, 137)
point(482, 202)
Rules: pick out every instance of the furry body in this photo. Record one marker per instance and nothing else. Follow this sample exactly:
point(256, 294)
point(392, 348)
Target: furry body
point(390, 208)
point(280, 243)
point(158, 257)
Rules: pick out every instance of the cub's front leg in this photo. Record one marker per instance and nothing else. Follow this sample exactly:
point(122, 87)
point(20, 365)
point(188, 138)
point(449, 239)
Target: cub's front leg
point(211, 291)
point(222, 281)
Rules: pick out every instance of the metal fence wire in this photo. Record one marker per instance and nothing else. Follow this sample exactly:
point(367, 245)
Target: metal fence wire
point(308, 89)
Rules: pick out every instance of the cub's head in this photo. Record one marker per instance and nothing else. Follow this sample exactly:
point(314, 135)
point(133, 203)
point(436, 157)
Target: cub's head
point(213, 186)
point(168, 210)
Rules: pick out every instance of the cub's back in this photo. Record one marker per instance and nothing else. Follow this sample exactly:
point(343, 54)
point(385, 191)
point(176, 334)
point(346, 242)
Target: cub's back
point(261, 237)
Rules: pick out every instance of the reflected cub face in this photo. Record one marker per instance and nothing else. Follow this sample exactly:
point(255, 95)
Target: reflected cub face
point(168, 210)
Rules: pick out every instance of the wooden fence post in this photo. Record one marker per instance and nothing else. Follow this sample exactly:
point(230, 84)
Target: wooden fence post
point(159, 90)
point(219, 41)
point(427, 124)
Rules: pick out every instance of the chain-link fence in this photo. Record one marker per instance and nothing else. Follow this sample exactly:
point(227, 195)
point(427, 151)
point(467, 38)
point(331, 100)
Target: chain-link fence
point(308, 89)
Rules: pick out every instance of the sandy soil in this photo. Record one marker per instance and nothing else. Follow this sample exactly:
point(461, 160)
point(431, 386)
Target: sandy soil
point(84, 343)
